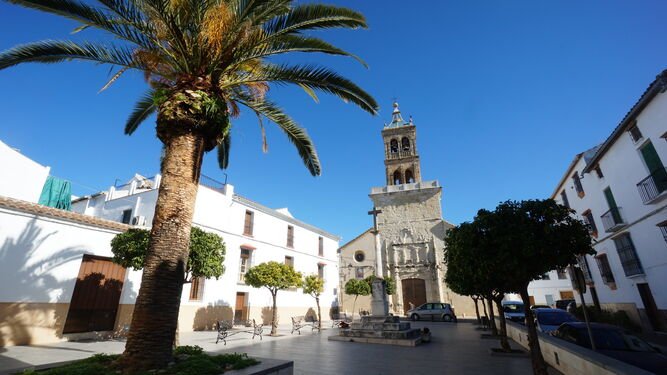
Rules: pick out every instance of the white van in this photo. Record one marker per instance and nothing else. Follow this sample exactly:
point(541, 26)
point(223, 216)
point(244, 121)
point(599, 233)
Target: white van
point(513, 311)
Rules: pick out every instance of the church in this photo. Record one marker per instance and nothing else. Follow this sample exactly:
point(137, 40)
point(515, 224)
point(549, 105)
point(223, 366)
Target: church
point(406, 241)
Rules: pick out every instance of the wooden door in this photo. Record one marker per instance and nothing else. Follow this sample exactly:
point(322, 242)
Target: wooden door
point(650, 307)
point(241, 307)
point(96, 295)
point(566, 294)
point(414, 291)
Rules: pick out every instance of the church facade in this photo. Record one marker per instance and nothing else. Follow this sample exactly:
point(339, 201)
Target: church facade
point(408, 233)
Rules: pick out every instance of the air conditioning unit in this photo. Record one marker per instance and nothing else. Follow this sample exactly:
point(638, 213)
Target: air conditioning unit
point(139, 221)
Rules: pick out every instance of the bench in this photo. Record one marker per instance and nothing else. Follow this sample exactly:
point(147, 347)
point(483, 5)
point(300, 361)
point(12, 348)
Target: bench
point(299, 322)
point(225, 330)
point(342, 318)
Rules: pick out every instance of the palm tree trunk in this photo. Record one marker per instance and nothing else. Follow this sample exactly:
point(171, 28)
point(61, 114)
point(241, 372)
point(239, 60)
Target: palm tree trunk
point(504, 344)
point(155, 317)
point(319, 314)
point(539, 366)
point(274, 315)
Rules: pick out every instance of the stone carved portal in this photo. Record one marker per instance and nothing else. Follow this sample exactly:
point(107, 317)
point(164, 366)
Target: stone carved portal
point(414, 291)
point(412, 253)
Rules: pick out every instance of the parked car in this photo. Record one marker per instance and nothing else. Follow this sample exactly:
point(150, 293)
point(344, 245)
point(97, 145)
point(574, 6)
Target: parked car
point(614, 342)
point(513, 311)
point(548, 319)
point(533, 307)
point(433, 311)
point(562, 303)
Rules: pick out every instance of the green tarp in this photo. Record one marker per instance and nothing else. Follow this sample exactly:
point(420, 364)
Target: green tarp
point(56, 193)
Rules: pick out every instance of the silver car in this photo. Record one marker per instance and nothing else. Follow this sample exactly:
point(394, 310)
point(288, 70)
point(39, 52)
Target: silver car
point(433, 311)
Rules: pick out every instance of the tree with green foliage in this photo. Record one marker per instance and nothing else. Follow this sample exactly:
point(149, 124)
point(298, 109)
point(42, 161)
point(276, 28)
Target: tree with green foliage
point(356, 288)
point(313, 285)
point(205, 259)
point(535, 236)
point(273, 276)
point(203, 62)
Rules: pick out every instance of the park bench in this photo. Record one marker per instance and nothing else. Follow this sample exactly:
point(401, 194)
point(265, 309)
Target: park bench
point(342, 318)
point(226, 329)
point(299, 322)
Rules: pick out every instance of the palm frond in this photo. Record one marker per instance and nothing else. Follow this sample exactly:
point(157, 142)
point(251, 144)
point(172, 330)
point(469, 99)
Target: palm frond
point(258, 12)
point(223, 151)
point(52, 51)
point(297, 135)
point(315, 78)
point(291, 43)
point(315, 16)
point(142, 110)
point(92, 17)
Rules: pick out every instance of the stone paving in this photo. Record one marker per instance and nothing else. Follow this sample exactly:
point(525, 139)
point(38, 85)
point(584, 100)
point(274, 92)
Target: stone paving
point(455, 349)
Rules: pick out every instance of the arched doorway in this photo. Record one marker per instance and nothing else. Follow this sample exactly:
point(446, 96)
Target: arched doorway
point(414, 290)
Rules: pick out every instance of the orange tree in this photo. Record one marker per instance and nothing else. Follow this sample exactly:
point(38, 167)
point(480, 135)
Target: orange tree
point(203, 62)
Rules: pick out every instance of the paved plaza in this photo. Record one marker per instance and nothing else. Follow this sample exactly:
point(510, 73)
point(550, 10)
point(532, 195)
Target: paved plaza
point(455, 349)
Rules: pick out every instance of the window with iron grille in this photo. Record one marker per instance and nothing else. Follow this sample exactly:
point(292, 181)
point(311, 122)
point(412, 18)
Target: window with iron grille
point(605, 269)
point(127, 217)
point(244, 263)
point(320, 271)
point(577, 184)
point(289, 261)
point(563, 197)
point(629, 259)
point(196, 288)
point(635, 133)
point(249, 221)
point(290, 236)
point(590, 221)
point(320, 250)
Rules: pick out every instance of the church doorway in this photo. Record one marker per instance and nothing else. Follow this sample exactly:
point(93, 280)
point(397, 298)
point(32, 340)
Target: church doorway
point(414, 291)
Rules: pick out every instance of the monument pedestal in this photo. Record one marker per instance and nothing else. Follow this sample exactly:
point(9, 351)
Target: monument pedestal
point(380, 329)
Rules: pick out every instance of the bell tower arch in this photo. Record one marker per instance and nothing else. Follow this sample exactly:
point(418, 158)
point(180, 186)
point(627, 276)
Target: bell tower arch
point(401, 159)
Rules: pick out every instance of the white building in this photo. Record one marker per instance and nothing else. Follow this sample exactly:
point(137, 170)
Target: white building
point(50, 259)
point(252, 234)
point(619, 189)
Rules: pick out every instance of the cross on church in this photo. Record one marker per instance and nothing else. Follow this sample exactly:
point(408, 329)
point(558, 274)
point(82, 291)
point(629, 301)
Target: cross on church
point(375, 213)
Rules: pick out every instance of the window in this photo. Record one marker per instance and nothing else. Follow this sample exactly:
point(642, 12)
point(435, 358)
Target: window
point(320, 247)
point(545, 277)
point(605, 269)
point(577, 184)
point(196, 288)
point(244, 264)
point(598, 171)
point(393, 146)
point(405, 144)
point(563, 197)
point(398, 179)
point(562, 275)
point(635, 134)
point(127, 216)
point(290, 236)
point(359, 256)
point(359, 272)
point(320, 271)
point(590, 222)
point(628, 255)
point(663, 229)
point(248, 225)
point(409, 177)
point(289, 261)
point(583, 265)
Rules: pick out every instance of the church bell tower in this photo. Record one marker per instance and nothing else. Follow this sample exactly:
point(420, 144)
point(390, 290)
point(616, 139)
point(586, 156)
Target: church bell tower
point(400, 143)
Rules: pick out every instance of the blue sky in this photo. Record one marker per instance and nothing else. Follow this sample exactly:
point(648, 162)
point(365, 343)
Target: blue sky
point(503, 93)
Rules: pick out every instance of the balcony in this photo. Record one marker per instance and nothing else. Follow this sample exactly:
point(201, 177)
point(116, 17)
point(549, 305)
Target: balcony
point(653, 186)
point(612, 220)
point(391, 155)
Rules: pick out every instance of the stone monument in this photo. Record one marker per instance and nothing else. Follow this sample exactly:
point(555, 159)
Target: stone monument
point(380, 327)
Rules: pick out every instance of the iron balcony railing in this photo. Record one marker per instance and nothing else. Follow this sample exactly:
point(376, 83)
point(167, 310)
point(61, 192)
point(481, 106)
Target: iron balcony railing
point(612, 220)
point(653, 185)
point(400, 154)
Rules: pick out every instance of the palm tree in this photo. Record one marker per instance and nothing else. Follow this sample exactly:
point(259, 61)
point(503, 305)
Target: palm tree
point(203, 61)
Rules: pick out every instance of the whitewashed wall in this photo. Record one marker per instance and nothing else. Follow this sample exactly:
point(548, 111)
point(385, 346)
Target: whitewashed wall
point(22, 178)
